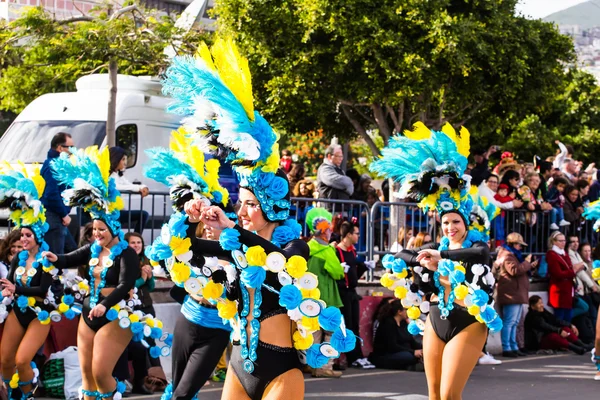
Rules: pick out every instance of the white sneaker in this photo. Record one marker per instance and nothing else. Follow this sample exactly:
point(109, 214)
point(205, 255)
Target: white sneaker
point(362, 363)
point(564, 223)
point(367, 364)
point(488, 359)
point(554, 227)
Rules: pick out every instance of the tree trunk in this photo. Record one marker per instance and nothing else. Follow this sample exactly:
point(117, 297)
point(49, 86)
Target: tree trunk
point(112, 105)
point(360, 129)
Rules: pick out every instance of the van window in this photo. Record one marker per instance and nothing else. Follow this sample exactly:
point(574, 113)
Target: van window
point(29, 141)
point(127, 138)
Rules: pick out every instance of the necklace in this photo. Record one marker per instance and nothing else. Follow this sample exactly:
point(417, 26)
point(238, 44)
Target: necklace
point(108, 262)
point(455, 272)
point(22, 269)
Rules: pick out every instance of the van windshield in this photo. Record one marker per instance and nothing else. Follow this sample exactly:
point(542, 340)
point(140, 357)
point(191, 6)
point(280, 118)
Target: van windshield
point(29, 141)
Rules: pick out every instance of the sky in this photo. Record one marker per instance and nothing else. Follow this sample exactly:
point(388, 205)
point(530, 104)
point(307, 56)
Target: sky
point(542, 8)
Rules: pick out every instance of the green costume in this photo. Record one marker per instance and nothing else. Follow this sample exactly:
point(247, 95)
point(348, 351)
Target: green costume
point(323, 262)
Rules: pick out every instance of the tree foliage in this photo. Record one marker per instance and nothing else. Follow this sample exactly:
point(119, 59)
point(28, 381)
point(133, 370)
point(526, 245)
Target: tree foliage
point(41, 55)
point(350, 66)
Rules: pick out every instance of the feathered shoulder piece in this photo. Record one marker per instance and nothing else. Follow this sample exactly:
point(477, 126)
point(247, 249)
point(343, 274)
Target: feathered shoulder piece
point(86, 173)
point(429, 165)
point(20, 191)
point(185, 170)
point(214, 91)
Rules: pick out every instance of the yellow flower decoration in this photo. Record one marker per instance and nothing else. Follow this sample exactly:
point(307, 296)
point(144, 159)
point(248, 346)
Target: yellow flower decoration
point(212, 290)
point(461, 291)
point(150, 322)
point(413, 312)
point(134, 318)
point(402, 275)
point(386, 281)
point(256, 256)
point(31, 301)
point(311, 293)
point(63, 308)
point(46, 321)
point(180, 273)
point(473, 310)
point(310, 324)
point(400, 292)
point(296, 266)
point(302, 342)
point(158, 323)
point(180, 245)
point(460, 268)
point(227, 310)
point(596, 273)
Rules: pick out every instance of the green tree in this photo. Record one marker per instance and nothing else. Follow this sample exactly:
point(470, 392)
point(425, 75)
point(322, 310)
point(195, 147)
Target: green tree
point(42, 55)
point(351, 66)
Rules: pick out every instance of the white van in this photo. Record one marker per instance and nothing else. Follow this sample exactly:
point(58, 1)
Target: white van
point(141, 123)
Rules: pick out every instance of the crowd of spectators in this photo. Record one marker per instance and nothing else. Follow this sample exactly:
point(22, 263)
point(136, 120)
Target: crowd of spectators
point(549, 194)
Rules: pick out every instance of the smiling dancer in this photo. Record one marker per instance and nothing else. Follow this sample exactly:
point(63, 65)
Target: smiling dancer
point(278, 305)
point(430, 165)
point(108, 320)
point(28, 282)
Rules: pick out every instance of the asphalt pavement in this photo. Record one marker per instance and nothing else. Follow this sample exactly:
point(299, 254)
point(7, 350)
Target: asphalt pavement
point(552, 377)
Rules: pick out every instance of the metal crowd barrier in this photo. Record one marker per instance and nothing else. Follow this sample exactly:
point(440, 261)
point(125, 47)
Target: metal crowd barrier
point(379, 224)
point(348, 209)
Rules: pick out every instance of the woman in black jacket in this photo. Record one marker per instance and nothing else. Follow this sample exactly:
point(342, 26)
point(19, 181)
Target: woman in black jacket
point(544, 331)
point(394, 347)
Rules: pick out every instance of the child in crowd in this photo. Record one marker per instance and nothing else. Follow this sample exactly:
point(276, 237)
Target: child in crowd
point(502, 196)
point(557, 200)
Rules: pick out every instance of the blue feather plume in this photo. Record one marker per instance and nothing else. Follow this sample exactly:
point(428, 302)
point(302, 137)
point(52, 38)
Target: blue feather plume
point(199, 93)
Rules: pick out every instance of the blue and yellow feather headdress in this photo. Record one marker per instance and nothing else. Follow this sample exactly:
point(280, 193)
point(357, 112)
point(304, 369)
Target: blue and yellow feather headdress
point(185, 170)
point(20, 192)
point(430, 167)
point(86, 173)
point(213, 90)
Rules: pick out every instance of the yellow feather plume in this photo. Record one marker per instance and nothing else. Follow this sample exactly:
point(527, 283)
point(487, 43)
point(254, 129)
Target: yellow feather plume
point(40, 184)
point(235, 73)
point(462, 140)
point(204, 54)
point(104, 164)
point(419, 132)
point(464, 147)
point(182, 145)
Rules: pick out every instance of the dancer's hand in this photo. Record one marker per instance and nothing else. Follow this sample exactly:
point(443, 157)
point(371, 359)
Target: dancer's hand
point(216, 218)
point(9, 288)
point(193, 209)
point(97, 311)
point(49, 256)
point(429, 259)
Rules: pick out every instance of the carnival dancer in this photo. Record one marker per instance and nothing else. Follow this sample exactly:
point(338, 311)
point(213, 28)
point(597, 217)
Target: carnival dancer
point(200, 335)
point(274, 291)
point(108, 320)
point(28, 282)
point(592, 212)
point(429, 165)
